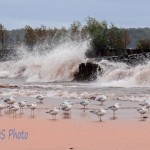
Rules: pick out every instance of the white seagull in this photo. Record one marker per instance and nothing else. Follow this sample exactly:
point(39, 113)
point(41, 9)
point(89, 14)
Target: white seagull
point(14, 108)
point(53, 112)
point(21, 105)
point(99, 113)
point(101, 99)
point(66, 106)
point(142, 111)
point(146, 104)
point(84, 103)
point(2, 106)
point(9, 100)
point(32, 106)
point(40, 98)
point(114, 108)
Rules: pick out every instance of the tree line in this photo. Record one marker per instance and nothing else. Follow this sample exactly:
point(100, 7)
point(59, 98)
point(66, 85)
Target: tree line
point(104, 39)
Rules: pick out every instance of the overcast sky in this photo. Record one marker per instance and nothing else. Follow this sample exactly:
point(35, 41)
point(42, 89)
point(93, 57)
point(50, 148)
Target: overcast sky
point(123, 13)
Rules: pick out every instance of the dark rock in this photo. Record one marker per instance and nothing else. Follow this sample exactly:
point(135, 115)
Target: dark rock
point(88, 72)
point(131, 60)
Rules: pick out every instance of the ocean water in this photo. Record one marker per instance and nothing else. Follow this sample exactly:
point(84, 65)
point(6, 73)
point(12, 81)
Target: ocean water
point(51, 74)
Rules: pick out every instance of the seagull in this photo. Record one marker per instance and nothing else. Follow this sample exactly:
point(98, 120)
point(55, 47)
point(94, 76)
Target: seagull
point(2, 106)
point(9, 100)
point(66, 106)
point(114, 108)
point(101, 99)
point(21, 105)
point(142, 111)
point(40, 98)
point(53, 112)
point(84, 103)
point(146, 104)
point(99, 113)
point(32, 106)
point(14, 108)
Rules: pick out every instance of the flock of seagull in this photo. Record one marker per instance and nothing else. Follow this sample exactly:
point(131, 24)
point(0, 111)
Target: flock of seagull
point(67, 105)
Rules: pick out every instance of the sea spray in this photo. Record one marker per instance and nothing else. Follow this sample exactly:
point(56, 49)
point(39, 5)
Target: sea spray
point(59, 64)
point(117, 74)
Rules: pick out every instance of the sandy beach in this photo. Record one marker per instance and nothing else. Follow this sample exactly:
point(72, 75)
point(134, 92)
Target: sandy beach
point(125, 133)
point(81, 130)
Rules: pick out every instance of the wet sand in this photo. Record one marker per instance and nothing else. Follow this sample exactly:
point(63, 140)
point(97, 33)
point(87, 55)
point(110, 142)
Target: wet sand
point(81, 131)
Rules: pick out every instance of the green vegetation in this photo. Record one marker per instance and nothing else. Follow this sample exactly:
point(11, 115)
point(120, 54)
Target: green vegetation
point(3, 40)
point(136, 35)
point(3, 37)
point(143, 45)
point(104, 39)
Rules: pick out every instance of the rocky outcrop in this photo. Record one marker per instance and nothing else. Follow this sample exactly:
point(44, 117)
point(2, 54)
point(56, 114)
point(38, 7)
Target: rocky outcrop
point(88, 72)
point(133, 59)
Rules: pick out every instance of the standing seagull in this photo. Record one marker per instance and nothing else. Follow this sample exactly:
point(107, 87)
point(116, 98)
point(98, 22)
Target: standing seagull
point(101, 99)
point(21, 105)
point(53, 112)
point(142, 111)
point(99, 113)
point(84, 103)
point(14, 108)
point(114, 108)
point(32, 107)
point(66, 106)
point(40, 98)
point(146, 104)
point(10, 100)
point(2, 106)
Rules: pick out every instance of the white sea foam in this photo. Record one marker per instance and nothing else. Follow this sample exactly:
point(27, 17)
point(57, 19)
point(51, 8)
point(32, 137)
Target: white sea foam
point(59, 64)
point(68, 94)
point(122, 75)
